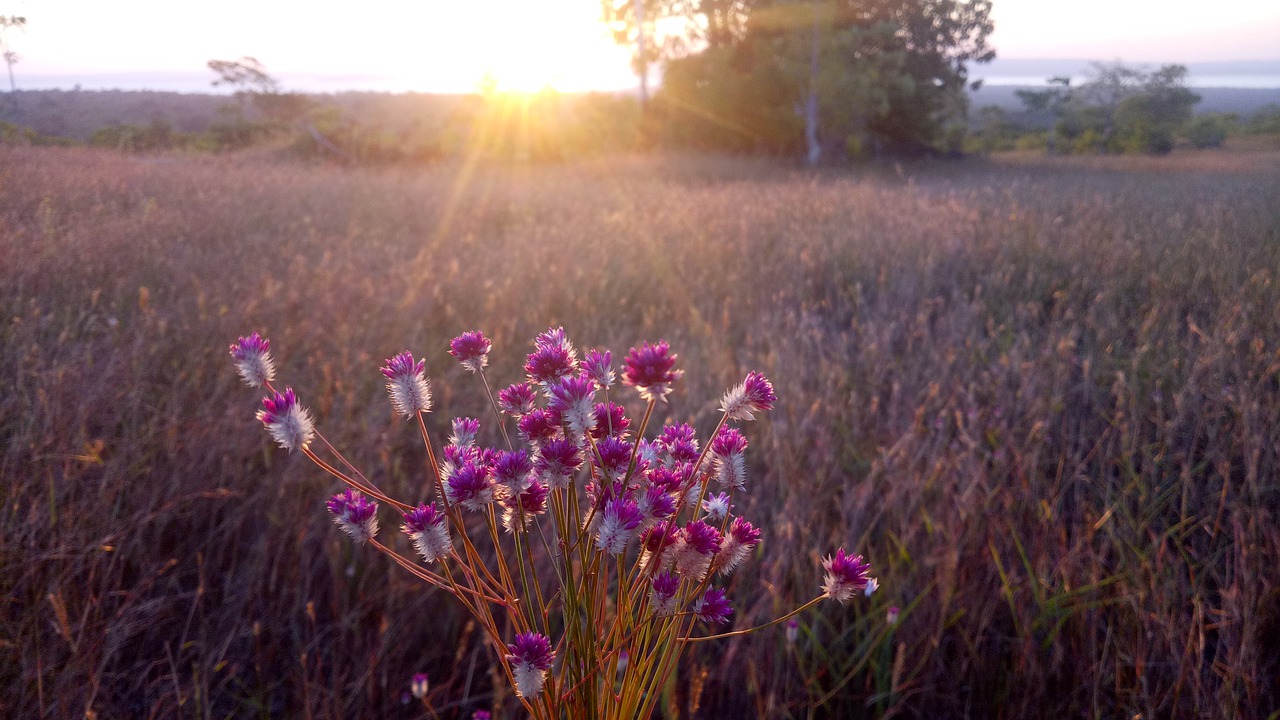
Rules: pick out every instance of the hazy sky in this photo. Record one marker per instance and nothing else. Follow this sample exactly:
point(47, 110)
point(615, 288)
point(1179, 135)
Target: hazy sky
point(449, 44)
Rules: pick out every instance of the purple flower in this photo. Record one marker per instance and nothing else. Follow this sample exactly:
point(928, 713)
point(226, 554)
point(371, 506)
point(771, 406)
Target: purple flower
point(512, 471)
point(426, 526)
point(845, 575)
point(598, 364)
point(355, 514)
point(531, 657)
point(558, 460)
point(517, 399)
point(728, 452)
point(697, 544)
point(419, 685)
point(539, 425)
point(553, 358)
point(872, 585)
point(253, 360)
point(617, 526)
point(555, 337)
point(713, 607)
point(651, 370)
point(464, 432)
point(743, 537)
point(288, 422)
point(656, 543)
point(680, 443)
point(656, 504)
point(615, 455)
point(408, 387)
point(662, 593)
point(571, 399)
point(611, 419)
point(717, 507)
point(531, 502)
point(470, 485)
point(472, 350)
point(749, 397)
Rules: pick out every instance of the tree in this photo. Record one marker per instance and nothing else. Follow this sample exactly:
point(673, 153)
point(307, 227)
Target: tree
point(10, 57)
point(831, 77)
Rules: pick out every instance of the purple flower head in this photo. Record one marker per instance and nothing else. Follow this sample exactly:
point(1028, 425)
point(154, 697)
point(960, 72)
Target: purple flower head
point(288, 422)
point(713, 607)
point(530, 658)
point(553, 357)
point(571, 399)
point(512, 470)
point(749, 397)
point(555, 337)
point(426, 526)
point(697, 545)
point(598, 364)
point(453, 457)
point(662, 594)
point(464, 432)
point(470, 485)
point(410, 392)
point(651, 370)
point(538, 425)
point(679, 443)
point(650, 453)
point(728, 452)
point(846, 575)
point(558, 460)
point(516, 400)
point(617, 526)
point(471, 349)
point(531, 502)
point(717, 507)
point(355, 514)
point(743, 537)
point(419, 685)
point(615, 455)
point(872, 585)
point(611, 419)
point(667, 479)
point(253, 360)
point(656, 543)
point(656, 504)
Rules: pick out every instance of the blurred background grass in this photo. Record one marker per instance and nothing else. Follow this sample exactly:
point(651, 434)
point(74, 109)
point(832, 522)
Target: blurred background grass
point(1040, 394)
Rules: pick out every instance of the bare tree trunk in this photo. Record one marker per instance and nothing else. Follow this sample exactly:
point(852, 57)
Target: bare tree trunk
point(811, 103)
point(643, 57)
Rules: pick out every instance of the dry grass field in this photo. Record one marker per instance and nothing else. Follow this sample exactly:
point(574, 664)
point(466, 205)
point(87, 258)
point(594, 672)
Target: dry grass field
point(1042, 396)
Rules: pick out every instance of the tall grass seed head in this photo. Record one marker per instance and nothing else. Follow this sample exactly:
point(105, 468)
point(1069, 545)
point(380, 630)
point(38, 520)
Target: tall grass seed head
point(751, 396)
point(530, 658)
point(846, 575)
point(288, 422)
point(650, 369)
point(253, 360)
point(408, 387)
point(471, 349)
point(427, 526)
point(355, 514)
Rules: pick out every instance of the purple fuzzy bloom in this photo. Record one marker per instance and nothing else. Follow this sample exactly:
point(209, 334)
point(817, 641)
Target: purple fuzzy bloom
point(713, 607)
point(538, 425)
point(662, 593)
point(651, 370)
point(471, 349)
point(419, 685)
point(558, 460)
point(355, 514)
point(615, 455)
point(846, 575)
point(512, 470)
point(555, 337)
point(253, 360)
point(679, 443)
point(571, 399)
point(650, 453)
point(743, 537)
point(288, 422)
point(617, 526)
point(531, 502)
point(749, 397)
point(656, 504)
point(517, 399)
point(464, 432)
point(598, 364)
point(697, 545)
point(426, 526)
point(667, 479)
point(410, 392)
point(728, 452)
point(471, 485)
point(530, 658)
point(553, 357)
point(717, 507)
point(611, 419)
point(656, 543)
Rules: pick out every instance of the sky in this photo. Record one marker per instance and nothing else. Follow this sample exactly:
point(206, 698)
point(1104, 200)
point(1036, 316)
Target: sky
point(449, 45)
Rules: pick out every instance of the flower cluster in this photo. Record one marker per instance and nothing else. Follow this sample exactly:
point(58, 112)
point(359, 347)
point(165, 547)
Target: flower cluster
point(645, 517)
